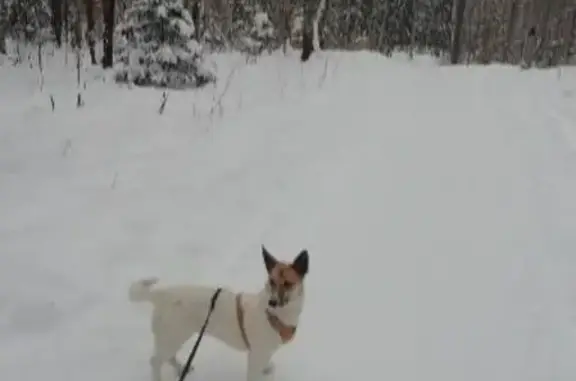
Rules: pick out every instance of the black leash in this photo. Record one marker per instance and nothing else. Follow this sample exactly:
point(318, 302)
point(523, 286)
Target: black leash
point(186, 368)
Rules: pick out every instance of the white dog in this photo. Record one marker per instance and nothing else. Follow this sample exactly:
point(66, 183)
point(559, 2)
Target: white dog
point(258, 323)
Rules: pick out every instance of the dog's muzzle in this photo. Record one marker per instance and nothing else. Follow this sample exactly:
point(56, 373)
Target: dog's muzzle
point(273, 303)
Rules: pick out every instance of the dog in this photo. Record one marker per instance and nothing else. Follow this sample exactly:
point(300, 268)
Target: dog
point(257, 323)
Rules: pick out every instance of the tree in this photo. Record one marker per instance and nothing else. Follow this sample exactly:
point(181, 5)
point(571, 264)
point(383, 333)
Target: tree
point(4, 6)
point(308, 29)
point(456, 38)
point(56, 7)
point(157, 47)
point(108, 17)
point(90, 37)
point(26, 21)
point(433, 26)
point(252, 28)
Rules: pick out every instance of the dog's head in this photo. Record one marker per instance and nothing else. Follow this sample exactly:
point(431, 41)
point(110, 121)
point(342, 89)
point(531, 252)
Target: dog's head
point(284, 279)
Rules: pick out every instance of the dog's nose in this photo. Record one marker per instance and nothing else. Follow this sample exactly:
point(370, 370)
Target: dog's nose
point(272, 303)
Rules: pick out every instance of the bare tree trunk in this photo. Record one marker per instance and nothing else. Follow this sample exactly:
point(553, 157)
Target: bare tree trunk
point(2, 32)
point(348, 32)
point(195, 13)
point(485, 55)
point(65, 23)
point(316, 28)
point(56, 8)
point(510, 31)
point(284, 22)
point(568, 37)
point(307, 45)
point(89, 4)
point(77, 27)
point(556, 45)
point(413, 31)
point(108, 10)
point(307, 30)
point(456, 38)
point(78, 43)
point(529, 48)
point(542, 30)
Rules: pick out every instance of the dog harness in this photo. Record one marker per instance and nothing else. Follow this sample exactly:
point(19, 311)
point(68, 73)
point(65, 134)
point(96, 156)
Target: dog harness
point(286, 332)
point(240, 314)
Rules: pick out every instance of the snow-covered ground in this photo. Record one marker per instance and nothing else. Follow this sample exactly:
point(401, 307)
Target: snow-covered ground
point(438, 205)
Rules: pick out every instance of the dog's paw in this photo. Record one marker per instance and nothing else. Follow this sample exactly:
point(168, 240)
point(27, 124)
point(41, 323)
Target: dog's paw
point(269, 369)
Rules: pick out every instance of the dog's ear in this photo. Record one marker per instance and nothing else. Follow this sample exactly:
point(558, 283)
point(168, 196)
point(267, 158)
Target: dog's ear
point(269, 260)
point(300, 263)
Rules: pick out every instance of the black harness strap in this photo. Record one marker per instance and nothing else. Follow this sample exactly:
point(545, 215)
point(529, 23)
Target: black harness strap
point(186, 368)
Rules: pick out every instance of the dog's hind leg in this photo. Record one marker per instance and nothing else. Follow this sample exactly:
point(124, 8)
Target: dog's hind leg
point(268, 369)
point(178, 367)
point(166, 347)
point(156, 362)
point(156, 367)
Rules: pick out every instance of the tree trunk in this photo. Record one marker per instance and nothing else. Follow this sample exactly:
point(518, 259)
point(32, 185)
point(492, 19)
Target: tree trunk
point(542, 33)
point(2, 32)
point(78, 43)
point(284, 24)
point(65, 24)
point(77, 27)
point(89, 4)
point(195, 13)
point(108, 10)
point(316, 25)
point(56, 8)
point(457, 36)
point(510, 32)
point(412, 36)
point(307, 30)
point(569, 35)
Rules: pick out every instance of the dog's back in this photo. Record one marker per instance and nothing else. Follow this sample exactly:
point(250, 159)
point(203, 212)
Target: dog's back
point(184, 308)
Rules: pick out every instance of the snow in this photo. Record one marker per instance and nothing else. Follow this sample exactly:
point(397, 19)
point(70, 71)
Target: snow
point(262, 25)
point(164, 54)
point(186, 28)
point(161, 11)
point(437, 204)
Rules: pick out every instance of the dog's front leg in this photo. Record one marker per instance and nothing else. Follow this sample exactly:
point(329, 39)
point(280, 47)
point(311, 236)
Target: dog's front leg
point(156, 365)
point(269, 369)
point(258, 362)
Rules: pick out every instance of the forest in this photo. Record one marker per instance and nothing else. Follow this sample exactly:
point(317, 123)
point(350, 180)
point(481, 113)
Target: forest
point(528, 33)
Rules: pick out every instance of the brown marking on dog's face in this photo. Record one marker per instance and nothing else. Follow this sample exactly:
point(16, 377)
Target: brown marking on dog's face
point(284, 278)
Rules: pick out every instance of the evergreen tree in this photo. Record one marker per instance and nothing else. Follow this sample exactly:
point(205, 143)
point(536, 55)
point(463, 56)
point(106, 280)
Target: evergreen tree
point(252, 28)
point(5, 5)
point(27, 21)
point(433, 26)
point(156, 47)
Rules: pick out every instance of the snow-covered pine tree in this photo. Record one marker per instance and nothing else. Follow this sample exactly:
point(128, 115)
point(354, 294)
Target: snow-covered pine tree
point(26, 21)
point(252, 28)
point(5, 5)
point(156, 48)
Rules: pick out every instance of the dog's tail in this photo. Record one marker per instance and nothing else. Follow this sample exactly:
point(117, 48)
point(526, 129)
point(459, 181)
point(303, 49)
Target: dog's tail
point(141, 289)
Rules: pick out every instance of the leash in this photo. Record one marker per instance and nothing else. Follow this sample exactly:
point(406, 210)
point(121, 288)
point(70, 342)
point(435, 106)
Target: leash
point(186, 368)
